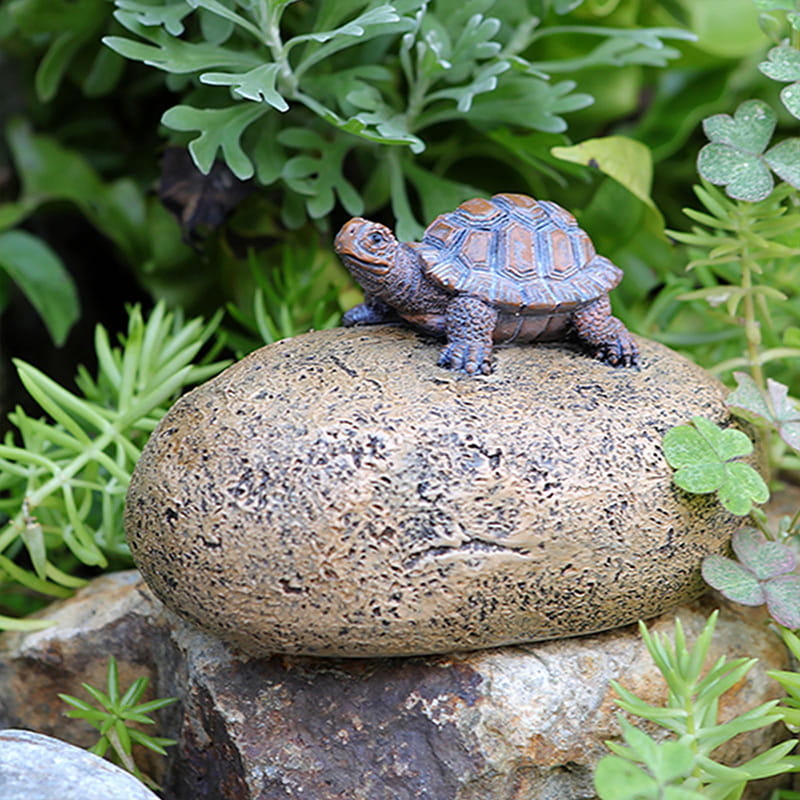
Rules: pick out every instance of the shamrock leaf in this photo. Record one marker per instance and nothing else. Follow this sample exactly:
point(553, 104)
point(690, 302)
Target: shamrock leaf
point(784, 65)
point(773, 406)
point(764, 573)
point(734, 156)
point(703, 456)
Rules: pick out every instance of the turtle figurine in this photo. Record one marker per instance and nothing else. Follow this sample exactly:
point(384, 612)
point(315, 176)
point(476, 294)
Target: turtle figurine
point(509, 269)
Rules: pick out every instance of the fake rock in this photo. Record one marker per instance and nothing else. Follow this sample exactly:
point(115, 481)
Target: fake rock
point(339, 494)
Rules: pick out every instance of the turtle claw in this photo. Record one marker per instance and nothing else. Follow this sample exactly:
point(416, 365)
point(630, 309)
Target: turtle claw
point(621, 352)
point(473, 358)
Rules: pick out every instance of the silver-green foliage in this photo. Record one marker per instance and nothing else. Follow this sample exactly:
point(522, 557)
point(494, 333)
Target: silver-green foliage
point(680, 765)
point(287, 91)
point(63, 479)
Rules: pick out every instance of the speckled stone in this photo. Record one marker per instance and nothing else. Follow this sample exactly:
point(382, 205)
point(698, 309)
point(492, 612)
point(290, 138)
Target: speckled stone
point(339, 494)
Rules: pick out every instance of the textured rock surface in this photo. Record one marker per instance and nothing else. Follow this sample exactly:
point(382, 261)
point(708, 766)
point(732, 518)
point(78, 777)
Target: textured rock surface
point(512, 723)
point(38, 767)
point(340, 494)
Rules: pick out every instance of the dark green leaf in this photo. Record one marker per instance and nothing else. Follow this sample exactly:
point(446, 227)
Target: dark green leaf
point(44, 280)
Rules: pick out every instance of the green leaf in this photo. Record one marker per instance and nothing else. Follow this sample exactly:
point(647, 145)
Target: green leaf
point(43, 279)
point(220, 128)
point(169, 16)
point(783, 64)
point(258, 84)
point(55, 62)
point(626, 160)
point(734, 156)
point(732, 580)
point(702, 455)
point(616, 778)
point(784, 158)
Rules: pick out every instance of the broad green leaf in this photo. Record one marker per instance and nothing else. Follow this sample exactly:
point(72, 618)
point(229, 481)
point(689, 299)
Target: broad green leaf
point(734, 156)
point(783, 64)
point(784, 158)
point(43, 279)
point(743, 487)
point(701, 478)
point(727, 444)
point(257, 84)
point(763, 558)
point(220, 129)
point(625, 160)
point(673, 760)
point(783, 599)
point(733, 580)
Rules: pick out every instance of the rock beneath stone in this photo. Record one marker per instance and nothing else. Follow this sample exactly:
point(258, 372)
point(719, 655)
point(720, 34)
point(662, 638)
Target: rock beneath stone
point(38, 767)
point(516, 722)
point(340, 494)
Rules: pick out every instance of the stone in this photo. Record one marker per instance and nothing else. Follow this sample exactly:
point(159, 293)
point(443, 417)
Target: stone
point(339, 494)
point(526, 721)
point(33, 765)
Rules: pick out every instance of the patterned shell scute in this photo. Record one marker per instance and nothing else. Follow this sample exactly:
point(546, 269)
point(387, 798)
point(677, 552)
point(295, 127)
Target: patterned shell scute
point(516, 253)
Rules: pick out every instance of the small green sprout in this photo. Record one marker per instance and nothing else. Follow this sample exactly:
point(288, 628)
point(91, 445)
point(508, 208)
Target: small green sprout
point(764, 573)
point(113, 717)
point(704, 457)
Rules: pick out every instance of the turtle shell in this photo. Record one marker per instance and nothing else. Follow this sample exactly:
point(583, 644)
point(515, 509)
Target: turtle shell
point(516, 253)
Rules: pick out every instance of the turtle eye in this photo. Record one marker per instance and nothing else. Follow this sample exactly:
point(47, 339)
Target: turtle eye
point(375, 238)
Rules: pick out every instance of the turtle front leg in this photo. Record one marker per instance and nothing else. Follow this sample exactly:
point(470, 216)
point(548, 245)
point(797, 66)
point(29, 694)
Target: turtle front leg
point(469, 325)
point(607, 338)
point(371, 312)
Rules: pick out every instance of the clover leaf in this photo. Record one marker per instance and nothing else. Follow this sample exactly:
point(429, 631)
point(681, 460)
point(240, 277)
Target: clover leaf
point(773, 406)
point(764, 573)
point(783, 65)
point(735, 156)
point(704, 457)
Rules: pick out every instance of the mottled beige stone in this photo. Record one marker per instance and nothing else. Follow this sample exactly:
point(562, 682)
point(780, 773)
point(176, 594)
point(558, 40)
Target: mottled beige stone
point(340, 494)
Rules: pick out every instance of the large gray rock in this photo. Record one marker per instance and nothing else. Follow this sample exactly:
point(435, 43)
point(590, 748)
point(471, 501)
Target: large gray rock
point(38, 767)
point(503, 724)
point(340, 494)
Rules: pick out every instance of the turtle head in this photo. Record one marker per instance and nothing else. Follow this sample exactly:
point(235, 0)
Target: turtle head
point(365, 245)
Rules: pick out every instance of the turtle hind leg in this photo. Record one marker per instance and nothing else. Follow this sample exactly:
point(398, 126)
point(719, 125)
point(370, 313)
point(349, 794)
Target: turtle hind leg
point(469, 325)
point(604, 335)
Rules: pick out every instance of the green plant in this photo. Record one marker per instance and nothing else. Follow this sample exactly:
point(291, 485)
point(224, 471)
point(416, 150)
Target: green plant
point(300, 293)
point(63, 481)
point(705, 458)
point(683, 767)
point(113, 717)
point(294, 94)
